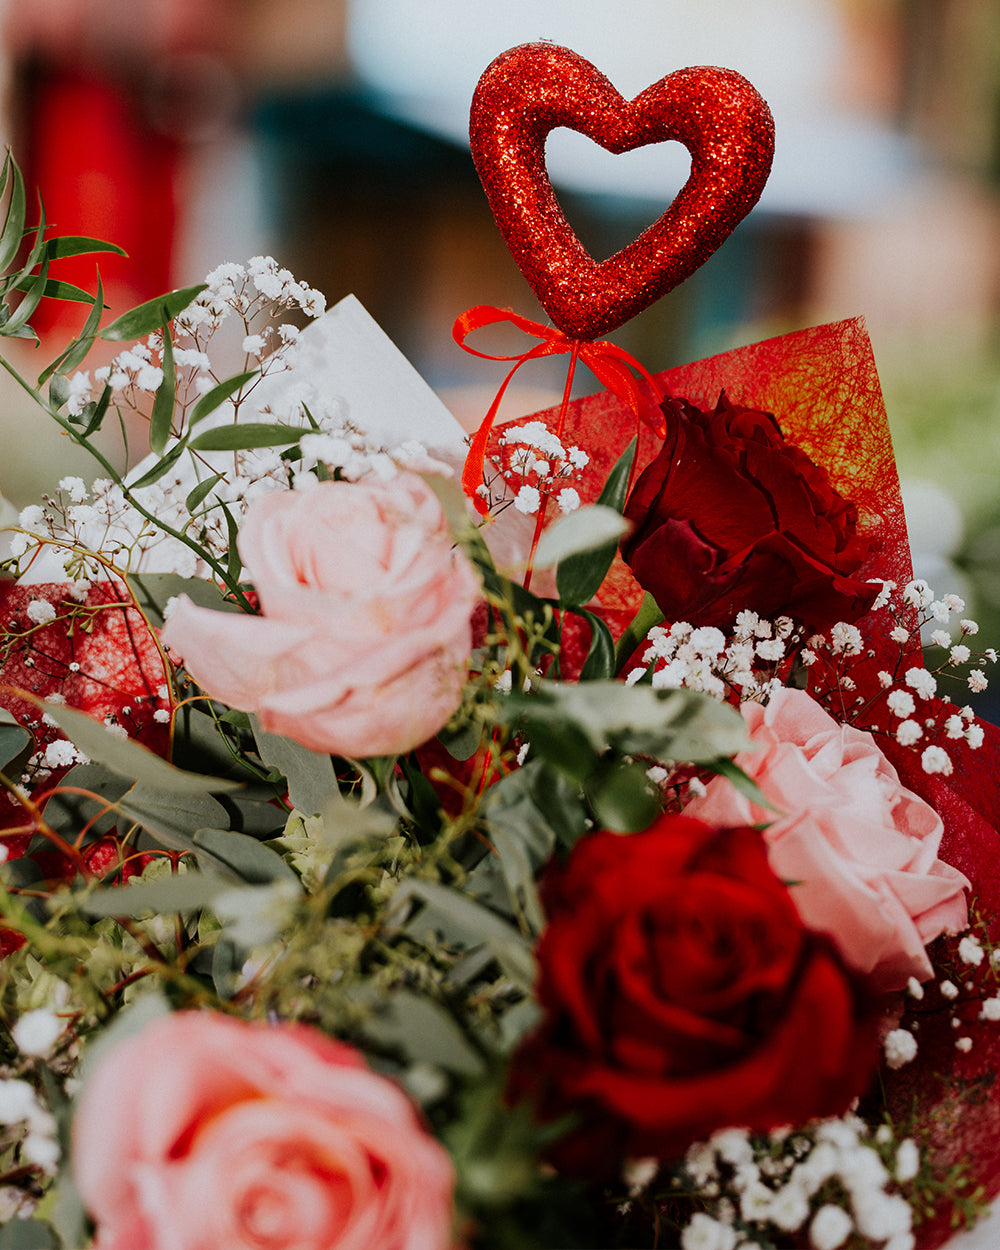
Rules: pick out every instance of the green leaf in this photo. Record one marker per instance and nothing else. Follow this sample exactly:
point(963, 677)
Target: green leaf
point(589, 529)
point(13, 738)
point(250, 860)
point(173, 819)
point(32, 298)
point(28, 1235)
point(422, 1031)
point(202, 491)
point(153, 591)
point(13, 226)
point(648, 615)
point(742, 781)
point(149, 317)
point(188, 891)
point(623, 798)
point(312, 782)
point(81, 345)
point(67, 812)
point(600, 662)
point(99, 411)
point(163, 405)
point(130, 759)
point(218, 394)
point(579, 576)
point(55, 288)
point(245, 436)
point(79, 245)
point(162, 466)
point(457, 914)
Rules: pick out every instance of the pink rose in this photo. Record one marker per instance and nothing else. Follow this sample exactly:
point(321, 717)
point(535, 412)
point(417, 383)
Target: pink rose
point(859, 850)
point(361, 646)
point(202, 1132)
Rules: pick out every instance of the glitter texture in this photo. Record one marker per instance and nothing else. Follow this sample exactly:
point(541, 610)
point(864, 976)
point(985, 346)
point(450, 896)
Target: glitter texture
point(530, 90)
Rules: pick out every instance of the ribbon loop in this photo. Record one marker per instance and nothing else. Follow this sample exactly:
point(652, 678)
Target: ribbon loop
point(609, 363)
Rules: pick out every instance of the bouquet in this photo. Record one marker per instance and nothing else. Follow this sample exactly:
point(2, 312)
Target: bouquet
point(580, 838)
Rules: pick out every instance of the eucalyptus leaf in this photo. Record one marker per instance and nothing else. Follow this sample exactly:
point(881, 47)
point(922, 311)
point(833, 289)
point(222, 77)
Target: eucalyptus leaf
point(218, 394)
point(13, 738)
point(623, 798)
point(67, 810)
point(443, 908)
point(423, 1031)
point(173, 819)
point(249, 859)
point(312, 781)
point(149, 317)
point(245, 436)
point(130, 759)
point(188, 891)
point(28, 1235)
point(153, 591)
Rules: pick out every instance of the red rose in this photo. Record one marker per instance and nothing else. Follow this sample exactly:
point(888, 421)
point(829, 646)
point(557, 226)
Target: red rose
point(730, 516)
point(681, 994)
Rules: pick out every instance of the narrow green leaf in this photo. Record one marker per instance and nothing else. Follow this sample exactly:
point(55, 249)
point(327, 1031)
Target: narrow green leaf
point(13, 226)
point(743, 782)
point(600, 661)
point(218, 394)
point(636, 630)
point(129, 759)
point(98, 414)
point(161, 467)
point(27, 306)
point(202, 491)
point(13, 738)
point(55, 288)
point(623, 798)
point(579, 576)
point(250, 860)
point(423, 1031)
point(163, 404)
point(148, 317)
point(79, 245)
point(28, 1235)
point(244, 436)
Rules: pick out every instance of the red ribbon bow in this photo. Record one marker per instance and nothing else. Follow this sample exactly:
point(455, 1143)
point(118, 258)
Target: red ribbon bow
point(609, 363)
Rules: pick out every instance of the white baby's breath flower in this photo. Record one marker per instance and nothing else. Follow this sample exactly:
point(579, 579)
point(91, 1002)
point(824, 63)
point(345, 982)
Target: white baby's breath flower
point(40, 611)
point(960, 654)
point(941, 638)
point(970, 950)
point(900, 634)
point(908, 732)
point(974, 737)
point(900, 703)
point(977, 681)
point(568, 499)
point(900, 1047)
point(914, 988)
point(990, 1009)
point(907, 1163)
point(969, 627)
point(830, 1228)
point(704, 1233)
point(36, 1032)
point(936, 760)
point(527, 500)
point(917, 594)
point(948, 990)
point(920, 680)
point(846, 639)
point(964, 1044)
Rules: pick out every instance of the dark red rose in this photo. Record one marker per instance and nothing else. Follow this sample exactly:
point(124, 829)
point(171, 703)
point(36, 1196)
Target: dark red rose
point(730, 516)
point(681, 994)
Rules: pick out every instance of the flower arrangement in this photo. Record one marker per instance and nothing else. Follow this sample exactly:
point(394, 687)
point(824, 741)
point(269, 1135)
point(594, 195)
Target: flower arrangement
point(590, 857)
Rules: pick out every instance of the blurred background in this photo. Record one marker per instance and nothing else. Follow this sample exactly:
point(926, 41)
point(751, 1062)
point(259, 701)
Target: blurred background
point(332, 135)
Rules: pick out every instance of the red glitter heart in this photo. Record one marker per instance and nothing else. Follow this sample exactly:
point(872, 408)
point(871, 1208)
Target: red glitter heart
point(530, 90)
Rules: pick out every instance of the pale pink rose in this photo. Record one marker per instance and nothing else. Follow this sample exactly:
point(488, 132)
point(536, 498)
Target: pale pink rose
point(202, 1132)
point(859, 850)
point(365, 628)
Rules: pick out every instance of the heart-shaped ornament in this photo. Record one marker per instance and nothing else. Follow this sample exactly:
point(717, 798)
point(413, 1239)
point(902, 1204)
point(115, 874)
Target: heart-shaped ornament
point(530, 90)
